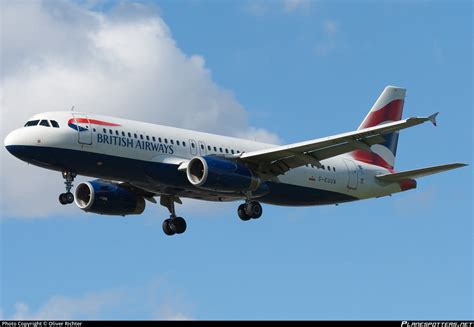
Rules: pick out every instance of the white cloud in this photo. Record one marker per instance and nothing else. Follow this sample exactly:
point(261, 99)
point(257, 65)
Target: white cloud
point(331, 27)
point(257, 8)
point(293, 5)
point(324, 48)
point(170, 312)
point(89, 306)
point(123, 63)
point(260, 7)
point(329, 40)
point(149, 302)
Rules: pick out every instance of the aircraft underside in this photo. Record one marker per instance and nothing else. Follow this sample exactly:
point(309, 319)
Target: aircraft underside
point(160, 178)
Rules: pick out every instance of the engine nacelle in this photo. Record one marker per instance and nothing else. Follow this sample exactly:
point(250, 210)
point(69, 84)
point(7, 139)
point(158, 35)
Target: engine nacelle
point(220, 174)
point(108, 199)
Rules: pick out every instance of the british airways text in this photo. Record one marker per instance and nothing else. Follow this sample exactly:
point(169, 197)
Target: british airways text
point(134, 144)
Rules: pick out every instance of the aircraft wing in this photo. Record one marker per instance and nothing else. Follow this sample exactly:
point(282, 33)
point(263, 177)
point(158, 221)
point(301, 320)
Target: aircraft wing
point(278, 160)
point(417, 173)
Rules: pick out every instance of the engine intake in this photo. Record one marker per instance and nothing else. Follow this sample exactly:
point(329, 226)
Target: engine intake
point(107, 198)
point(220, 174)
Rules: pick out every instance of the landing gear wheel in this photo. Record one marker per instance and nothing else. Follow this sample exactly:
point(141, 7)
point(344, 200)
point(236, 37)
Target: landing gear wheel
point(62, 199)
point(242, 212)
point(167, 227)
point(172, 225)
point(253, 209)
point(69, 197)
point(179, 225)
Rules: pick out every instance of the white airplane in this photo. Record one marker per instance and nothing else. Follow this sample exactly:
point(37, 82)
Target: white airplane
point(136, 161)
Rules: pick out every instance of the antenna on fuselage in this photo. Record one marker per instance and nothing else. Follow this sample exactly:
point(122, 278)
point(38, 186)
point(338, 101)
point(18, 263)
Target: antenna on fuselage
point(72, 108)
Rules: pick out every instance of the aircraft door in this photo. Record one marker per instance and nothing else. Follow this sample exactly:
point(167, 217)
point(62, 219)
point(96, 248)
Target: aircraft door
point(84, 128)
point(193, 147)
point(353, 174)
point(202, 148)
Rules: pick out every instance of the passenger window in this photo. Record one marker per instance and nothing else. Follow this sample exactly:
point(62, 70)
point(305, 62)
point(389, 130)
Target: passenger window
point(209, 148)
point(93, 130)
point(147, 138)
point(135, 135)
point(334, 168)
point(141, 136)
point(129, 134)
point(220, 149)
point(323, 167)
point(177, 142)
point(226, 150)
point(192, 144)
point(215, 149)
point(44, 123)
point(153, 138)
point(202, 147)
point(105, 131)
point(232, 151)
point(116, 133)
point(171, 141)
point(123, 133)
point(110, 131)
point(32, 123)
point(166, 141)
point(184, 143)
point(54, 124)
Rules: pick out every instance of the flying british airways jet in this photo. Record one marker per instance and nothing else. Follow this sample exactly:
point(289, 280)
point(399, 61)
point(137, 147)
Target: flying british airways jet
point(135, 161)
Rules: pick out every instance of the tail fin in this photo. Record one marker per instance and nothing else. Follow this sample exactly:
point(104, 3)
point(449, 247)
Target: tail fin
point(387, 108)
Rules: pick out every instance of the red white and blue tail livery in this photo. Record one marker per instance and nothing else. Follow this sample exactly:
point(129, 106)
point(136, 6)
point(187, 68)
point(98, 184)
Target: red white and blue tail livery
point(134, 162)
point(388, 108)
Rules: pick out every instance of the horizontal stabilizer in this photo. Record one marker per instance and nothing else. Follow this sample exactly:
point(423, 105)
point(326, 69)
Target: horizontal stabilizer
point(432, 118)
point(416, 173)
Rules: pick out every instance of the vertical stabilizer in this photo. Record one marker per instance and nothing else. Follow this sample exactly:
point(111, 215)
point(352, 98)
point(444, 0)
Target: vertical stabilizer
point(387, 108)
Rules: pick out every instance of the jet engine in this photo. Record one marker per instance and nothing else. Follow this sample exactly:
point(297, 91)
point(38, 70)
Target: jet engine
point(220, 174)
point(108, 198)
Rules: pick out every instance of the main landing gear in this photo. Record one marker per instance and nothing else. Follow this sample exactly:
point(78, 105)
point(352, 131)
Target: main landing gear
point(172, 225)
point(250, 209)
point(68, 197)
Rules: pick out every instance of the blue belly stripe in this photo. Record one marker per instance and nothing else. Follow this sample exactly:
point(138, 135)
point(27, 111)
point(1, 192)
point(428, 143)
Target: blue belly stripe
point(158, 175)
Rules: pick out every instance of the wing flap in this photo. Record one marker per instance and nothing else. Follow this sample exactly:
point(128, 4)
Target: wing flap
point(417, 173)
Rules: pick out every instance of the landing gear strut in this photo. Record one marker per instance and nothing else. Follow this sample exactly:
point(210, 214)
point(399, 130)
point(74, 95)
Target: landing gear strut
point(250, 209)
point(68, 197)
point(172, 225)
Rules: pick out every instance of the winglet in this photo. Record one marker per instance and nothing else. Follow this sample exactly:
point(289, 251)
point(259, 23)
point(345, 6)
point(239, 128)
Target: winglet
point(432, 118)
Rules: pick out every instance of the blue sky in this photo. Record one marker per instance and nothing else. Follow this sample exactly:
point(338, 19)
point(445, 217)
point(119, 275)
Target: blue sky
point(299, 70)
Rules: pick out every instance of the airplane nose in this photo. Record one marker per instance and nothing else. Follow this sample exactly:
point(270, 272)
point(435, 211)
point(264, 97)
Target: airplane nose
point(10, 139)
point(12, 143)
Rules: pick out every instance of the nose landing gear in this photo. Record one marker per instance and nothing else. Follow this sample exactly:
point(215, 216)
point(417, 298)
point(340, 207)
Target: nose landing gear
point(68, 197)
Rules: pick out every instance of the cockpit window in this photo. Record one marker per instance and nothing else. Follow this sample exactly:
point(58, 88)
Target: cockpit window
point(54, 123)
point(44, 123)
point(32, 123)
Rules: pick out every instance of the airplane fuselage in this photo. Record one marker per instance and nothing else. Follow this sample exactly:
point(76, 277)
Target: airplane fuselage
point(148, 156)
